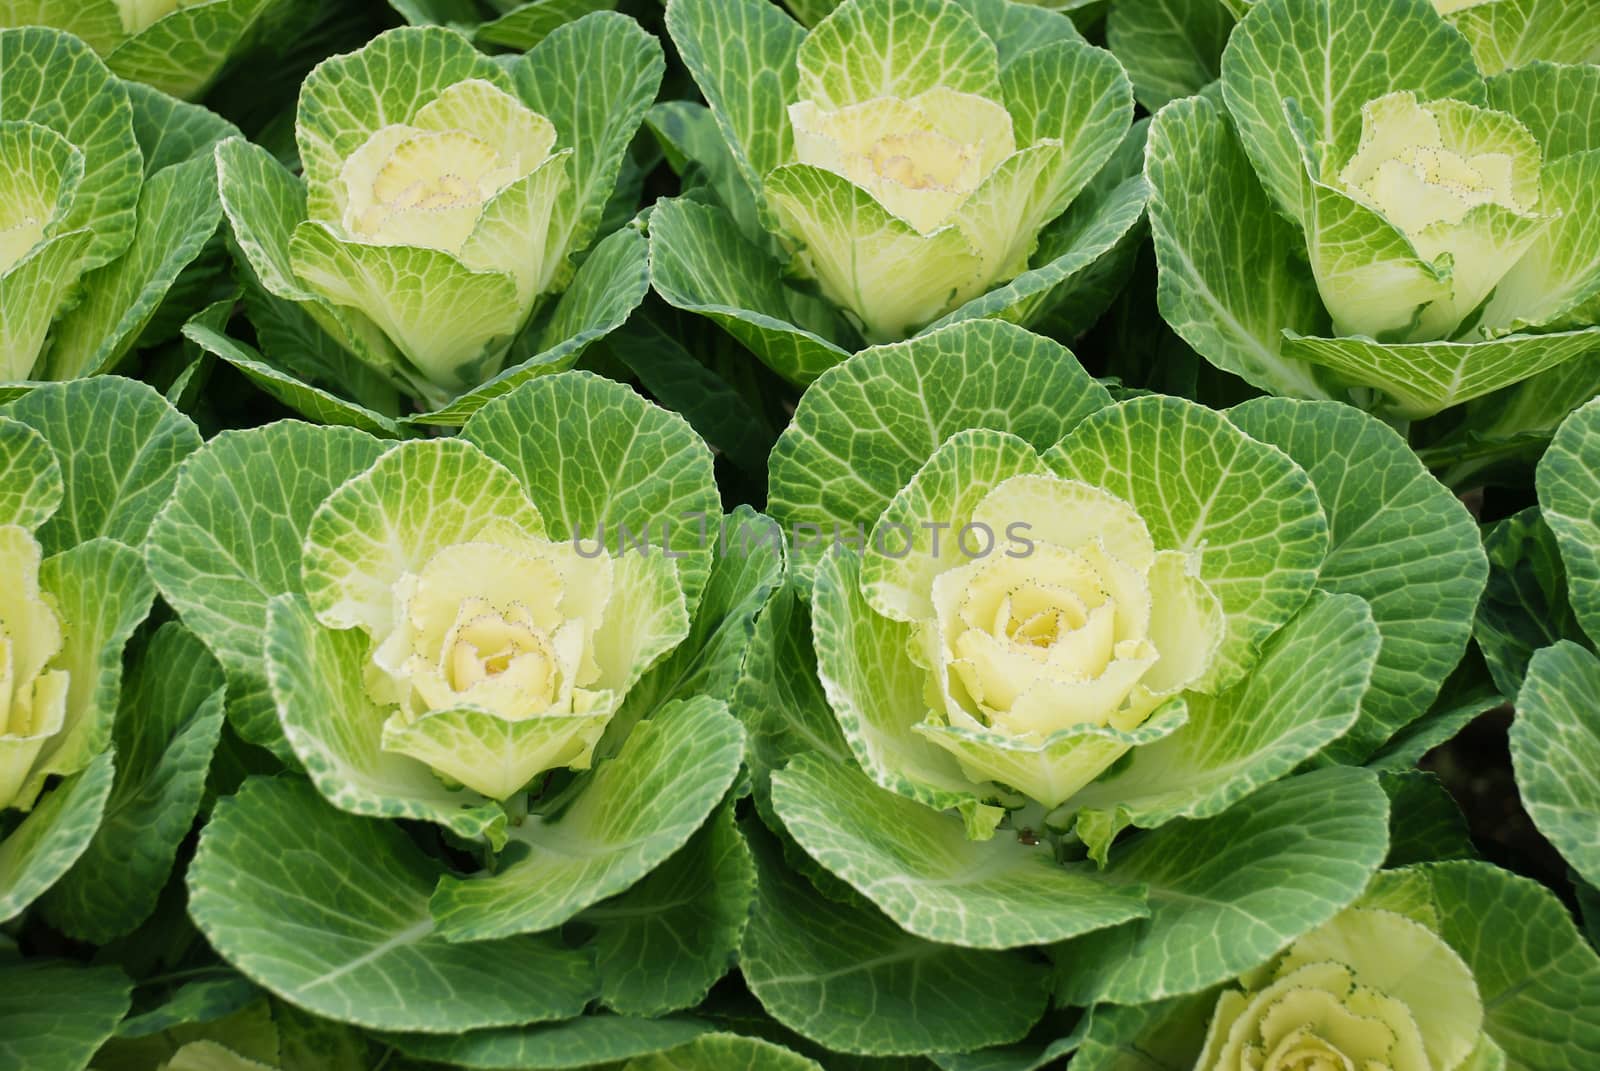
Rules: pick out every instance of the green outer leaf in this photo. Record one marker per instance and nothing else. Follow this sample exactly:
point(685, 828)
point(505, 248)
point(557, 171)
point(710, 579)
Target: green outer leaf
point(119, 444)
point(183, 51)
point(30, 477)
point(699, 262)
point(1525, 605)
point(525, 25)
point(55, 1014)
point(818, 967)
point(316, 678)
point(1555, 750)
point(1568, 480)
point(54, 79)
point(171, 131)
point(1210, 218)
point(742, 54)
point(592, 452)
point(55, 833)
point(166, 731)
point(1539, 980)
point(318, 405)
point(895, 48)
point(593, 79)
point(95, 21)
point(918, 866)
point(1559, 105)
point(178, 214)
point(1510, 33)
point(1425, 825)
point(864, 429)
point(1440, 724)
point(638, 809)
point(583, 1042)
point(1247, 513)
point(1320, 53)
point(725, 1052)
point(1306, 692)
point(329, 911)
point(1228, 893)
point(102, 593)
point(1171, 48)
point(607, 288)
point(1424, 377)
point(1398, 538)
point(1165, 1036)
point(229, 539)
point(661, 945)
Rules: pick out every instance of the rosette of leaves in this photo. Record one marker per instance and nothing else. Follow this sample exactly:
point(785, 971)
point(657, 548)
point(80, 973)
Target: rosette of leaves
point(109, 196)
point(517, 25)
point(177, 46)
point(84, 466)
point(1336, 215)
point(1543, 642)
point(434, 245)
point(520, 638)
point(1069, 654)
point(1173, 48)
point(1456, 966)
point(906, 163)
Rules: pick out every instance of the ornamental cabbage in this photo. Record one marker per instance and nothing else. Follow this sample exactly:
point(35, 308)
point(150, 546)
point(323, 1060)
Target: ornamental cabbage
point(446, 197)
point(906, 158)
point(1371, 989)
point(1338, 218)
point(33, 696)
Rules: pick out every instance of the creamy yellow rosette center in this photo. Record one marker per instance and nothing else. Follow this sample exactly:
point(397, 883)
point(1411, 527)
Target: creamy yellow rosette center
point(33, 698)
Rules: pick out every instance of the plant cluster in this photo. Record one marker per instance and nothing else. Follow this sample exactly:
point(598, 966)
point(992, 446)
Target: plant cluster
point(878, 535)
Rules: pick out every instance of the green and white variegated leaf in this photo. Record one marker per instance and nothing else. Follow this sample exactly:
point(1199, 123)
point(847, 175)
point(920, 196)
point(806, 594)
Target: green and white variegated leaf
point(35, 854)
point(1525, 606)
point(230, 537)
point(178, 213)
point(1171, 48)
point(1555, 749)
point(1421, 378)
point(637, 810)
point(97, 22)
point(330, 911)
point(1209, 216)
point(1247, 515)
point(815, 963)
point(1569, 494)
point(594, 455)
point(587, 1041)
point(1557, 103)
point(1447, 717)
point(54, 1014)
point(316, 678)
point(119, 444)
point(695, 150)
point(861, 52)
point(749, 566)
point(1305, 693)
point(877, 693)
point(1510, 33)
point(525, 25)
point(1538, 979)
point(606, 289)
point(743, 55)
point(1320, 54)
point(919, 867)
point(165, 733)
point(661, 945)
point(725, 1052)
point(171, 131)
point(701, 263)
point(1397, 538)
point(30, 476)
point(317, 404)
point(864, 429)
point(101, 593)
point(53, 79)
point(1229, 892)
point(184, 51)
